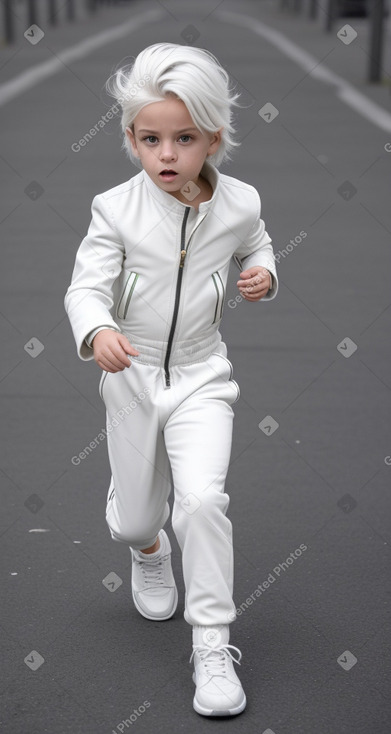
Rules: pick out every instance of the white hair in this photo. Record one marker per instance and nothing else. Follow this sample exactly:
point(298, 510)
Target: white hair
point(193, 75)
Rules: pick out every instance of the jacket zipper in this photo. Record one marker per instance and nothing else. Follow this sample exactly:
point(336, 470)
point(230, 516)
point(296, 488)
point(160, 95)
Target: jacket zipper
point(177, 297)
point(184, 249)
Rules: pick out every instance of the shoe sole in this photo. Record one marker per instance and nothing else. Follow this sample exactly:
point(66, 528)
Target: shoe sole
point(212, 712)
point(154, 618)
point(216, 712)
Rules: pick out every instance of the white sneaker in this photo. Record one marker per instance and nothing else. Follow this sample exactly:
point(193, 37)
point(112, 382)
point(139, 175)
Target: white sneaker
point(154, 590)
point(219, 691)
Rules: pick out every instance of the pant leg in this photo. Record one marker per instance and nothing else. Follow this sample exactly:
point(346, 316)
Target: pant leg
point(137, 506)
point(198, 437)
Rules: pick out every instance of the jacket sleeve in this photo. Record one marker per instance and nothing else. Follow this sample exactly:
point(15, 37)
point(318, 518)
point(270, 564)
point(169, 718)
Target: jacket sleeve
point(89, 299)
point(93, 333)
point(256, 249)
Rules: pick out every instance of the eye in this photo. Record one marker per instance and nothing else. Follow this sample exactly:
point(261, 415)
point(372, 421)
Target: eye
point(153, 138)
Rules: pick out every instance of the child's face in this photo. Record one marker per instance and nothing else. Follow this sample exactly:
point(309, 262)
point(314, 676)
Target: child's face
point(165, 137)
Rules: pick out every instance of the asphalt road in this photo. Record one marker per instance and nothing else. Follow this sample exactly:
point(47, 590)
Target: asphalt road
point(310, 499)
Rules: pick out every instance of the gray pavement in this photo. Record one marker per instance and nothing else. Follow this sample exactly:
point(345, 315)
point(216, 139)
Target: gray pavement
point(77, 657)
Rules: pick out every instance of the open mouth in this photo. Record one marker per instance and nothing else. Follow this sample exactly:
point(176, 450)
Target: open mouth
point(168, 173)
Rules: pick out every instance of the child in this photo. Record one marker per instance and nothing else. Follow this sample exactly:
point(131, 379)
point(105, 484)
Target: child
point(149, 281)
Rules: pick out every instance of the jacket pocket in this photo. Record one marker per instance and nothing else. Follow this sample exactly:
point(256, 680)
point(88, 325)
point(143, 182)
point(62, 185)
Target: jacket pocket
point(127, 292)
point(220, 296)
point(101, 383)
point(228, 376)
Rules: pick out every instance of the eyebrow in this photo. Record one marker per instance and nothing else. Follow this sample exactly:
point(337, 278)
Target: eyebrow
point(186, 129)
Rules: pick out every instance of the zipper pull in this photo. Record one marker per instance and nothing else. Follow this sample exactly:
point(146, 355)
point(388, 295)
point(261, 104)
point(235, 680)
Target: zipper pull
point(183, 255)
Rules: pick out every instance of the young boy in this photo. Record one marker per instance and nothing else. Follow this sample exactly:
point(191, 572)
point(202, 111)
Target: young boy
point(149, 281)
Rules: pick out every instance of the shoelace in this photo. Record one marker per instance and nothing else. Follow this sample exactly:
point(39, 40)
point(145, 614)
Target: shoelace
point(215, 665)
point(152, 570)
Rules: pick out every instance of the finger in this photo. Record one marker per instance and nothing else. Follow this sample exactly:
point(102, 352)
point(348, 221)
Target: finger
point(259, 280)
point(132, 350)
point(128, 348)
point(245, 275)
point(114, 360)
point(108, 369)
point(256, 295)
point(109, 366)
point(249, 288)
point(252, 289)
point(121, 358)
point(106, 366)
point(253, 276)
point(259, 285)
point(252, 299)
point(122, 350)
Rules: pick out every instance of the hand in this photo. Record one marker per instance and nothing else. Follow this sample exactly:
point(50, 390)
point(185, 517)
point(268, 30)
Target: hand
point(111, 350)
point(255, 283)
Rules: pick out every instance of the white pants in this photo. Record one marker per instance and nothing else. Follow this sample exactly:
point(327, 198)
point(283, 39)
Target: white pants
point(180, 437)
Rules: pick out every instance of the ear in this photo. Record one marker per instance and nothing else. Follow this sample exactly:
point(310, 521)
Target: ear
point(132, 140)
point(215, 140)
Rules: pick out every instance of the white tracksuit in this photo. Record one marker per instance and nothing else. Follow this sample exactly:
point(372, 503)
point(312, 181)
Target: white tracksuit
point(156, 269)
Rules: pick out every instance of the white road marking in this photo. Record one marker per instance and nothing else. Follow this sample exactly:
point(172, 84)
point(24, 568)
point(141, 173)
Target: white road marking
point(345, 91)
point(30, 78)
point(39, 530)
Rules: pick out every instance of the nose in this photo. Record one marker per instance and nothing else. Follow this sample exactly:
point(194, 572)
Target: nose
point(167, 151)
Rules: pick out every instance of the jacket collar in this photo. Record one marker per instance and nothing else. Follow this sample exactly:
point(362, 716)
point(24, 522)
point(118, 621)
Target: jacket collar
point(209, 172)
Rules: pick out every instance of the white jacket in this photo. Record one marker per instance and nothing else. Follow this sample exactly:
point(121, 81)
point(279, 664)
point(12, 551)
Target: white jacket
point(156, 269)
